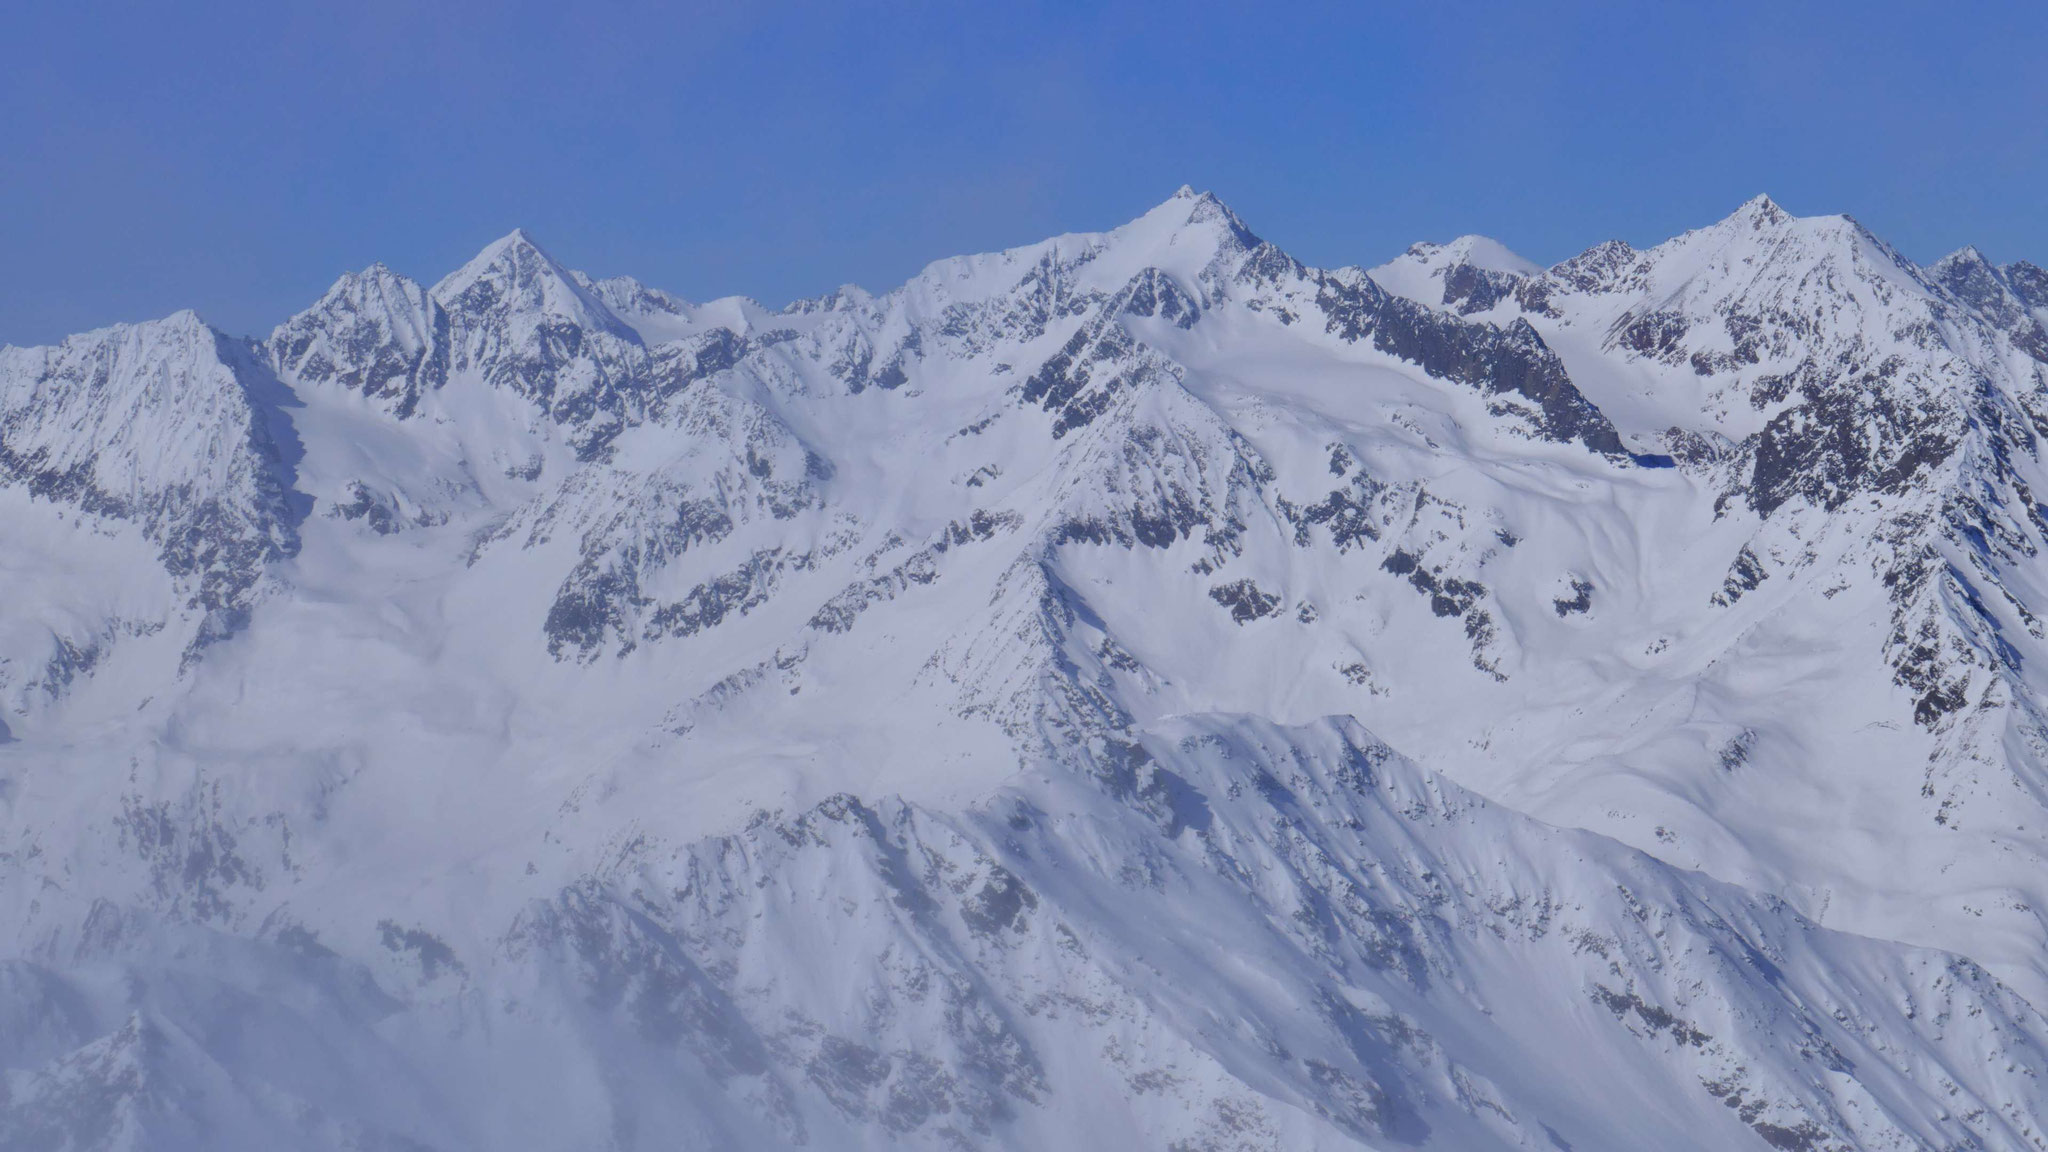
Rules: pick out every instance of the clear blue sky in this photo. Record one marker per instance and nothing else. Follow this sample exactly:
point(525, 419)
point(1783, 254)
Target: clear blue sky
point(235, 158)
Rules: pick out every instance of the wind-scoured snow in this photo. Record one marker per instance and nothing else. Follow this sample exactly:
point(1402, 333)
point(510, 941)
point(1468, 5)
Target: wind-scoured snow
point(1129, 690)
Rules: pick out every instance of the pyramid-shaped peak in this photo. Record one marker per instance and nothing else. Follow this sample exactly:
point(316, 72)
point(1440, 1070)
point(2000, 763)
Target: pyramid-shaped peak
point(1760, 211)
point(516, 249)
point(1976, 280)
point(1203, 204)
point(1188, 202)
point(1188, 210)
point(183, 320)
point(2028, 281)
point(378, 283)
point(1965, 258)
point(513, 273)
point(1791, 239)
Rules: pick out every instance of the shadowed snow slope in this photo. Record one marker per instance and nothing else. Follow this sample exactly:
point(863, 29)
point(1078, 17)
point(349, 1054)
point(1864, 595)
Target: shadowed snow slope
point(1131, 690)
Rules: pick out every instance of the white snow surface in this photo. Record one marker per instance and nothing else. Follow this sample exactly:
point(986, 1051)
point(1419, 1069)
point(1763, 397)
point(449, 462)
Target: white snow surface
point(1132, 690)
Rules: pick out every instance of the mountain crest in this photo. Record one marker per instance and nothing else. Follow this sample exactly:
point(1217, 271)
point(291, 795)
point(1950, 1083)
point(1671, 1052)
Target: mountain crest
point(1760, 211)
point(856, 726)
point(1192, 221)
point(513, 274)
point(374, 332)
point(1968, 254)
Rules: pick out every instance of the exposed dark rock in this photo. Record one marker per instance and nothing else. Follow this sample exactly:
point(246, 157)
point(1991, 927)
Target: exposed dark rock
point(1154, 293)
point(1580, 601)
point(376, 333)
point(1743, 577)
point(1245, 600)
point(707, 605)
point(431, 953)
point(1493, 360)
point(1469, 288)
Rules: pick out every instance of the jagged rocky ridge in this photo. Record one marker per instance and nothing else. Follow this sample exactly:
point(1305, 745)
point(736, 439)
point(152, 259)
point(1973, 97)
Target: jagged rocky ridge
point(536, 710)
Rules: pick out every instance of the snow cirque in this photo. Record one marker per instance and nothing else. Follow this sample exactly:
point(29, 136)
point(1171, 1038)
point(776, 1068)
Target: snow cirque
point(1133, 689)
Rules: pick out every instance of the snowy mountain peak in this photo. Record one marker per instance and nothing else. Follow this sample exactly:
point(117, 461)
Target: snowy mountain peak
point(515, 276)
point(625, 295)
point(1967, 273)
point(1759, 254)
point(1967, 256)
point(1199, 203)
point(540, 711)
point(376, 283)
point(2029, 280)
point(1456, 273)
point(167, 430)
point(374, 332)
point(2014, 299)
point(1190, 221)
point(1489, 254)
point(1760, 211)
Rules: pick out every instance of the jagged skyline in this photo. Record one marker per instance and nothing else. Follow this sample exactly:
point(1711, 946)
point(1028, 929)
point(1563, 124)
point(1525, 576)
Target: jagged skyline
point(222, 156)
point(1132, 689)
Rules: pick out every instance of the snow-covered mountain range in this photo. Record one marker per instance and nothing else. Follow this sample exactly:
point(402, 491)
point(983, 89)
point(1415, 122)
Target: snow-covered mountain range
point(1134, 690)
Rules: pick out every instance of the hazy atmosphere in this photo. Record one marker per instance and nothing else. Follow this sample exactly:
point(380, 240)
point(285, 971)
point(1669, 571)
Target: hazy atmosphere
point(1423, 578)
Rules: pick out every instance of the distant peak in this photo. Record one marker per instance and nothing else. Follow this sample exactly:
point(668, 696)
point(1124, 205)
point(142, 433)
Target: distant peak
point(1191, 199)
point(1187, 206)
point(514, 267)
point(1969, 275)
point(378, 272)
point(517, 240)
point(1968, 256)
point(183, 322)
point(2029, 282)
point(1761, 211)
point(1488, 254)
point(514, 252)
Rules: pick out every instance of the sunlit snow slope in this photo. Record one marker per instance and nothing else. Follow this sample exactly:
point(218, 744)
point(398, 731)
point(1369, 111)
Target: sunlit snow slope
point(1129, 691)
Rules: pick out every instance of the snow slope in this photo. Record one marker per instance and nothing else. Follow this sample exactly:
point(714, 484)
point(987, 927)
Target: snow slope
point(1134, 689)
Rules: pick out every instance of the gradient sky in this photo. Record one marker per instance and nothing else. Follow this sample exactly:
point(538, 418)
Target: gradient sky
point(235, 158)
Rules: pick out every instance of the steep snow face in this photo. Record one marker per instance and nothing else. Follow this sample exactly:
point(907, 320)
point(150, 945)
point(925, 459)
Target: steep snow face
point(1715, 332)
point(167, 432)
point(1868, 430)
point(528, 326)
point(2013, 298)
point(375, 333)
point(1021, 709)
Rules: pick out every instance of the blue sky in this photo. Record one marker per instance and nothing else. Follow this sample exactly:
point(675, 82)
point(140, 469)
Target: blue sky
point(235, 158)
